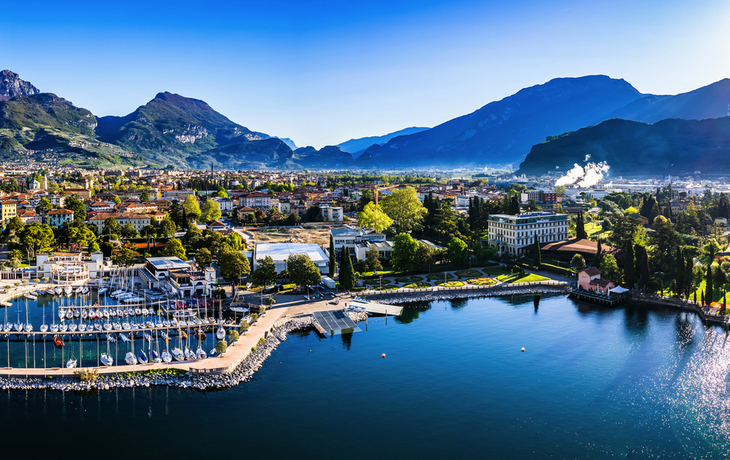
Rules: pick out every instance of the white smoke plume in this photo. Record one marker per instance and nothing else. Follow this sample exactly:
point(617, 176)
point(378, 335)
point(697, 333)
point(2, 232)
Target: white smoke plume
point(588, 157)
point(580, 177)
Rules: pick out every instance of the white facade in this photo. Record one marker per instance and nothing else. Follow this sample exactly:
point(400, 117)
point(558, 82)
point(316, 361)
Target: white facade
point(280, 252)
point(512, 234)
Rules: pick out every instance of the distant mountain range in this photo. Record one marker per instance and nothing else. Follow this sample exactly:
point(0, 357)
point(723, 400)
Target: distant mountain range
point(357, 147)
point(188, 133)
point(633, 149)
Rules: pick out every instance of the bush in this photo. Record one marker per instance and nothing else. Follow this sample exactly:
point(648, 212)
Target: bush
point(36, 280)
point(86, 375)
point(221, 347)
point(254, 318)
point(25, 281)
point(559, 270)
point(46, 279)
point(233, 336)
point(16, 284)
point(270, 301)
point(244, 326)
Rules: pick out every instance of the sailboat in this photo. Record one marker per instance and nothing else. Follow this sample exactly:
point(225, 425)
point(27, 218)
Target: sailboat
point(220, 334)
point(200, 353)
point(106, 359)
point(67, 290)
point(130, 359)
point(178, 354)
point(142, 356)
point(124, 337)
point(189, 355)
point(71, 363)
point(166, 357)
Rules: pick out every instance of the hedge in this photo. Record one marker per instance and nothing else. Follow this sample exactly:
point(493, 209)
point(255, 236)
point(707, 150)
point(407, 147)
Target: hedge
point(558, 270)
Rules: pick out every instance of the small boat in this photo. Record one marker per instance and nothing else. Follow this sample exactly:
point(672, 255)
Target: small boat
point(30, 296)
point(130, 359)
point(178, 354)
point(85, 314)
point(50, 291)
point(200, 353)
point(67, 290)
point(150, 324)
point(69, 314)
point(76, 313)
point(71, 363)
point(92, 315)
point(63, 327)
point(165, 323)
point(58, 342)
point(155, 357)
point(85, 290)
point(7, 327)
point(28, 327)
point(107, 326)
point(142, 357)
point(200, 335)
point(111, 338)
point(117, 326)
point(97, 327)
point(124, 337)
point(220, 334)
point(147, 337)
point(163, 334)
point(106, 359)
point(189, 355)
point(103, 291)
point(61, 314)
point(58, 290)
point(213, 352)
point(54, 327)
point(72, 327)
point(166, 357)
point(44, 327)
point(158, 324)
point(126, 326)
point(138, 311)
point(82, 327)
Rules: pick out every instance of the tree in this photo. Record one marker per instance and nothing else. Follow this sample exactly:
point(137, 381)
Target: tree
point(37, 237)
point(128, 231)
point(642, 265)
point(116, 199)
point(211, 210)
point(578, 262)
point(609, 267)
point(599, 254)
point(167, 228)
point(373, 258)
point(145, 197)
point(265, 271)
point(663, 240)
point(111, 226)
point(221, 347)
point(333, 259)
point(629, 272)
point(536, 256)
point(123, 257)
point(15, 226)
point(560, 190)
point(94, 247)
point(44, 206)
point(193, 237)
point(347, 273)
point(404, 207)
point(174, 248)
point(233, 264)
point(458, 251)
point(709, 291)
point(302, 270)
point(372, 216)
point(580, 230)
point(424, 255)
point(81, 236)
point(74, 203)
point(367, 197)
point(404, 253)
point(191, 207)
point(204, 257)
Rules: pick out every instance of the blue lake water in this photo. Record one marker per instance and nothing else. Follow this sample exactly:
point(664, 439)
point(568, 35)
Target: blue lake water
point(592, 383)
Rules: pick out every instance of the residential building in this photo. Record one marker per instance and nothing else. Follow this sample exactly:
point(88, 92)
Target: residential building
point(350, 237)
point(138, 221)
point(9, 210)
point(84, 193)
point(515, 234)
point(57, 217)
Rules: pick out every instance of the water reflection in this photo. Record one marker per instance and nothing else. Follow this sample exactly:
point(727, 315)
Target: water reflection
point(347, 341)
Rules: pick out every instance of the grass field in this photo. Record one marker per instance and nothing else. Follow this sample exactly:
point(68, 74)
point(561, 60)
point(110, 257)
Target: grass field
point(594, 229)
point(528, 278)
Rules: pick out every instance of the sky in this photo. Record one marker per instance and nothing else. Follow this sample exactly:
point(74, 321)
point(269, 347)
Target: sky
point(324, 72)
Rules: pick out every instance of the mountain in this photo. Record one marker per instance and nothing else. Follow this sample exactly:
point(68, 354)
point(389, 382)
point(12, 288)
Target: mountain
point(173, 126)
point(357, 146)
point(41, 121)
point(636, 149)
point(11, 85)
point(502, 132)
point(289, 142)
point(329, 157)
point(710, 101)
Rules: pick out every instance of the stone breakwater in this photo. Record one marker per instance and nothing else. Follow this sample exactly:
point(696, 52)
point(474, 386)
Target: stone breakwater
point(241, 373)
point(469, 294)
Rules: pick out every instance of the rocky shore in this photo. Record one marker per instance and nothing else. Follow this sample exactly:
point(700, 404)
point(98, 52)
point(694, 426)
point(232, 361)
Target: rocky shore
point(469, 294)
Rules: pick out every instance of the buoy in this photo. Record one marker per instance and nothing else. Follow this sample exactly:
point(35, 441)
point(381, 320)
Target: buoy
point(523, 349)
point(383, 355)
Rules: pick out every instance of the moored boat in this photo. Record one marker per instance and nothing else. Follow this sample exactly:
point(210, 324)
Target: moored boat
point(200, 353)
point(71, 363)
point(106, 359)
point(130, 359)
point(142, 357)
point(166, 357)
point(178, 354)
point(58, 342)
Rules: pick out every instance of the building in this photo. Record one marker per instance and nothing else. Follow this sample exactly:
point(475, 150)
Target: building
point(176, 277)
point(84, 193)
point(280, 252)
point(590, 280)
point(57, 217)
point(331, 213)
point(138, 221)
point(9, 210)
point(163, 205)
point(30, 217)
point(226, 204)
point(515, 234)
point(257, 200)
point(350, 237)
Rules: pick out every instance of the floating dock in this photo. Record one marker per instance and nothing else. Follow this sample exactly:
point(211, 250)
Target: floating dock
point(333, 321)
point(374, 307)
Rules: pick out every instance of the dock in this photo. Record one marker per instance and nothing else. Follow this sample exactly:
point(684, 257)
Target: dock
point(334, 321)
point(596, 298)
point(377, 308)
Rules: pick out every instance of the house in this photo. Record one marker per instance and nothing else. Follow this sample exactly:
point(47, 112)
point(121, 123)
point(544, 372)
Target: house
point(57, 217)
point(30, 216)
point(138, 221)
point(350, 237)
point(9, 210)
point(84, 193)
point(590, 280)
point(225, 204)
point(601, 285)
point(216, 226)
point(243, 214)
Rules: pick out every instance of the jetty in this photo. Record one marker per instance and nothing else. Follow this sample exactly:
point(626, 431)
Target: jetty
point(375, 307)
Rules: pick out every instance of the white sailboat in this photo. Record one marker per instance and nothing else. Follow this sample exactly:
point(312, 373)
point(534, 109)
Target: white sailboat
point(166, 357)
point(130, 359)
point(71, 363)
point(220, 334)
point(106, 359)
point(178, 354)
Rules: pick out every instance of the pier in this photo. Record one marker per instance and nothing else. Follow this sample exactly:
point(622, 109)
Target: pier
point(596, 298)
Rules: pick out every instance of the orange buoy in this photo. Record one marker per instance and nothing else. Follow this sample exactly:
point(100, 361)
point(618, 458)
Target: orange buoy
point(383, 355)
point(523, 349)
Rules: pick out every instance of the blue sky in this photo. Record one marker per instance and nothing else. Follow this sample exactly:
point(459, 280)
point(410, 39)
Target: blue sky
point(324, 72)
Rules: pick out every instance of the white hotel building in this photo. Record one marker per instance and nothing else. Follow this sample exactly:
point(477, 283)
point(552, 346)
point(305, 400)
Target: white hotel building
point(512, 234)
